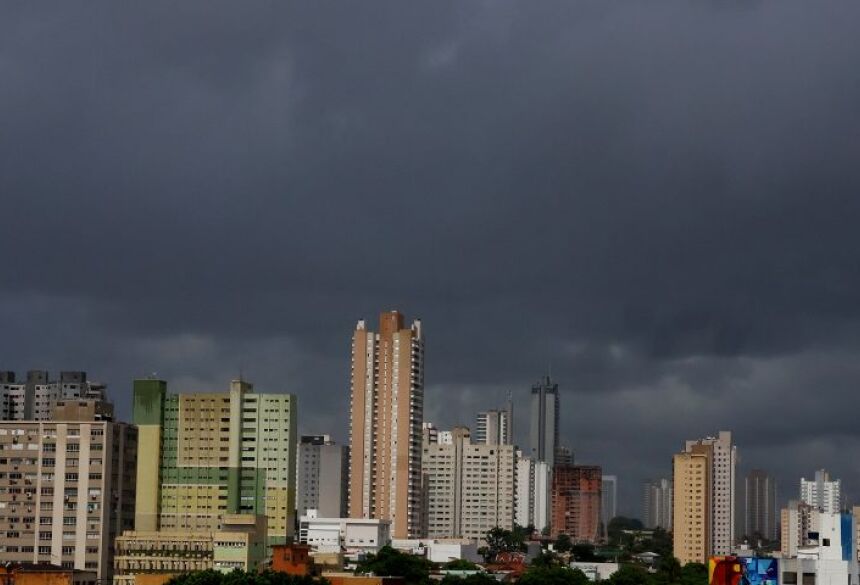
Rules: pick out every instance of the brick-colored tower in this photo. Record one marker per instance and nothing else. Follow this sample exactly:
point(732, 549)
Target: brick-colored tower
point(386, 412)
point(576, 491)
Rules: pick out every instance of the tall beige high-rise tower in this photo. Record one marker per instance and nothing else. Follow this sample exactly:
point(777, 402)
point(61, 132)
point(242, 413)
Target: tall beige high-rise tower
point(386, 413)
point(691, 538)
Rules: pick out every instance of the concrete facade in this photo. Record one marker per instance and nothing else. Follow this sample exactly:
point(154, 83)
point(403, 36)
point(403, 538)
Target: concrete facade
point(321, 477)
point(240, 543)
point(386, 416)
point(214, 454)
point(493, 427)
point(822, 493)
point(352, 535)
point(35, 396)
point(657, 504)
point(608, 501)
point(721, 502)
point(760, 508)
point(828, 558)
point(469, 489)
point(44, 574)
point(797, 520)
point(544, 415)
point(691, 536)
point(66, 491)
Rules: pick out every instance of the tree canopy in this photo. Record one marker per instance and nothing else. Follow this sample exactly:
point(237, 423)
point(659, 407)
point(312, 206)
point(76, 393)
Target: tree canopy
point(553, 575)
point(500, 540)
point(669, 572)
point(237, 577)
point(476, 579)
point(389, 562)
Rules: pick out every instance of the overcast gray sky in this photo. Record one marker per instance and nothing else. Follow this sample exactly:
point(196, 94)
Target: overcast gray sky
point(659, 200)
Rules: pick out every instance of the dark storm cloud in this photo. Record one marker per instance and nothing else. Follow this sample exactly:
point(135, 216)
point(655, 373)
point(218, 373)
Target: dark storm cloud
point(659, 201)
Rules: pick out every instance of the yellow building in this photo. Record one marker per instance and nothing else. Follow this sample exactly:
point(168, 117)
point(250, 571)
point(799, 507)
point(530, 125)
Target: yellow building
point(214, 454)
point(691, 525)
point(152, 556)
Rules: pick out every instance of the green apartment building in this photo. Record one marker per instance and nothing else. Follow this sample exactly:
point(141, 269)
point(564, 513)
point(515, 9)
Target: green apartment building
point(205, 455)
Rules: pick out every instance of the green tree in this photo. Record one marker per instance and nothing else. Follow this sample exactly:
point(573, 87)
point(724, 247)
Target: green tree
point(618, 525)
point(461, 565)
point(389, 562)
point(476, 579)
point(553, 576)
point(563, 543)
point(583, 552)
point(661, 543)
point(671, 568)
point(237, 577)
point(694, 574)
point(500, 540)
point(208, 577)
point(631, 575)
point(546, 559)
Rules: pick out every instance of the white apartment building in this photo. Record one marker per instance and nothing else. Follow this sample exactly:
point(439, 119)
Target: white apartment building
point(440, 550)
point(797, 521)
point(353, 535)
point(533, 484)
point(722, 496)
point(829, 558)
point(468, 489)
point(525, 497)
point(822, 493)
point(66, 491)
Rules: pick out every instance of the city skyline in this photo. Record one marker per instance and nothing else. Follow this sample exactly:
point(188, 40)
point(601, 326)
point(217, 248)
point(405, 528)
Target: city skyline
point(596, 189)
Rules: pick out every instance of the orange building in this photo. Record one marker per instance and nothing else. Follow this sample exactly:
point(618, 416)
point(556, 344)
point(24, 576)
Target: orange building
point(44, 574)
point(293, 559)
point(576, 491)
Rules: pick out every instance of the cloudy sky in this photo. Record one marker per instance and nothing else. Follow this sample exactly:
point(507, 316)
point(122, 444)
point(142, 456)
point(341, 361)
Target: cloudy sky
point(656, 200)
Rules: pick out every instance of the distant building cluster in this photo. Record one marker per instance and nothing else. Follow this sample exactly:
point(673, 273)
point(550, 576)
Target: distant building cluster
point(220, 479)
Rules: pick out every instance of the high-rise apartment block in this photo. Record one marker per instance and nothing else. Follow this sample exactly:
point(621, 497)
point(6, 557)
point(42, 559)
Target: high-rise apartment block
point(760, 509)
point(469, 488)
point(321, 478)
point(67, 489)
point(493, 427)
point(544, 421)
point(211, 454)
point(657, 504)
point(704, 483)
point(35, 397)
point(608, 501)
point(533, 496)
point(386, 411)
point(691, 537)
point(822, 493)
point(576, 495)
point(797, 521)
